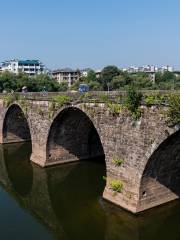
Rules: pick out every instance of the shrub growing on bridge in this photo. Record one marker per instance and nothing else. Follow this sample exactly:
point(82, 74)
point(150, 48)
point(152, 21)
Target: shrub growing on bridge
point(116, 185)
point(133, 102)
point(173, 112)
point(10, 98)
point(155, 99)
point(59, 101)
point(117, 161)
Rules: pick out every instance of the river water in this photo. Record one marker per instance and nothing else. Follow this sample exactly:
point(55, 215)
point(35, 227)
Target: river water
point(64, 202)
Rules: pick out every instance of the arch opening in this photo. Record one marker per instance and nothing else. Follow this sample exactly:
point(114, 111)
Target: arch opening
point(72, 137)
point(160, 181)
point(15, 126)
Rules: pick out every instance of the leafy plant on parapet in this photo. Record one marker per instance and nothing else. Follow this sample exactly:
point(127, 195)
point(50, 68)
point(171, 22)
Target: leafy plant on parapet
point(115, 108)
point(8, 99)
point(104, 98)
point(149, 101)
point(85, 96)
point(40, 111)
point(24, 105)
point(59, 101)
point(155, 99)
point(16, 96)
point(133, 102)
point(173, 112)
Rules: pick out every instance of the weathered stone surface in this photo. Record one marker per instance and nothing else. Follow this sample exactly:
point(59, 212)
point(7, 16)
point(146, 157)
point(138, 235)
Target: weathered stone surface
point(82, 131)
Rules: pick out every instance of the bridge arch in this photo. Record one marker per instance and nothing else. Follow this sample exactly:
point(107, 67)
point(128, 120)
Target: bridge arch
point(15, 125)
point(72, 136)
point(160, 180)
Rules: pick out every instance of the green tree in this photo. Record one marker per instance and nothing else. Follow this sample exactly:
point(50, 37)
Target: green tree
point(8, 81)
point(91, 76)
point(107, 74)
point(121, 81)
point(75, 86)
point(158, 77)
point(44, 81)
point(166, 80)
point(63, 87)
point(168, 76)
point(95, 86)
point(118, 82)
point(177, 83)
point(142, 80)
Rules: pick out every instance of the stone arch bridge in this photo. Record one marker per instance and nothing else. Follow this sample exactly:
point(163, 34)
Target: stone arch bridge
point(142, 157)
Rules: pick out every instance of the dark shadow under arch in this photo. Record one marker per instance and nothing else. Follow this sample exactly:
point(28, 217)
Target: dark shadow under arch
point(161, 177)
point(15, 126)
point(72, 136)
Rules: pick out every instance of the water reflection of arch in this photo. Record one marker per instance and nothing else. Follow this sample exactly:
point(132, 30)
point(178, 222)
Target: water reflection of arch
point(43, 198)
point(75, 218)
point(157, 223)
point(28, 188)
point(16, 167)
point(75, 200)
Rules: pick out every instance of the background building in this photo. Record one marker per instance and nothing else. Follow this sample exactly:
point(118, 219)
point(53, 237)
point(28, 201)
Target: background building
point(66, 75)
point(84, 72)
point(98, 73)
point(30, 67)
point(148, 69)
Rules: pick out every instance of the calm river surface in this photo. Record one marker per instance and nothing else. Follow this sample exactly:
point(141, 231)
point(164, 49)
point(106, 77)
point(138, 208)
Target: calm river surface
point(64, 202)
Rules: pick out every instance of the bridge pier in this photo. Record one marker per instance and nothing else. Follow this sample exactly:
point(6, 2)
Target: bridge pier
point(38, 155)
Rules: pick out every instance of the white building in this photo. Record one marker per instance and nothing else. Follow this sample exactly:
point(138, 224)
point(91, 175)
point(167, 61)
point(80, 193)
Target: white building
point(30, 67)
point(166, 68)
point(150, 70)
point(98, 73)
point(145, 69)
point(84, 72)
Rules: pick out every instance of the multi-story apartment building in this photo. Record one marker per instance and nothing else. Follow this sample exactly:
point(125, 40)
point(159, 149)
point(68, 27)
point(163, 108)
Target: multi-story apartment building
point(30, 67)
point(84, 72)
point(66, 75)
point(166, 68)
point(145, 69)
point(148, 69)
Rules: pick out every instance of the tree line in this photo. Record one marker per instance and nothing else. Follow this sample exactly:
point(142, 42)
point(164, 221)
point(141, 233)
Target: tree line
point(15, 82)
point(111, 78)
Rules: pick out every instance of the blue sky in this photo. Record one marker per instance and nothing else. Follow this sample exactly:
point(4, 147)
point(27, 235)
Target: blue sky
point(91, 33)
